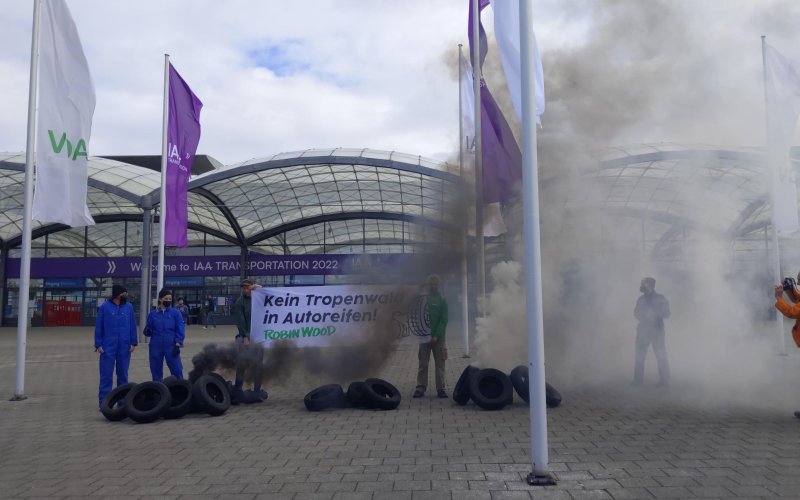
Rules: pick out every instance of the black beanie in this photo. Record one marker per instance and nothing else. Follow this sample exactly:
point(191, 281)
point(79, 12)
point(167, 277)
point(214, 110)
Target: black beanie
point(117, 290)
point(164, 292)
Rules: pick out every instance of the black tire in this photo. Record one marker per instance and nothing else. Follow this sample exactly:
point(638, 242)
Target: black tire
point(356, 394)
point(519, 379)
point(326, 396)
point(181, 394)
point(380, 394)
point(147, 402)
point(169, 379)
point(221, 379)
point(113, 405)
point(551, 396)
point(491, 389)
point(212, 395)
point(461, 392)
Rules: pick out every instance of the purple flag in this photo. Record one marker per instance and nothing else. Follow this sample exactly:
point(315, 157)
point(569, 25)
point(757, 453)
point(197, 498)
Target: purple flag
point(501, 158)
point(183, 135)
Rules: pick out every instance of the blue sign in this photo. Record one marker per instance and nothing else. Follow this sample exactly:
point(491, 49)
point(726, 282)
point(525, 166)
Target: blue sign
point(65, 283)
point(181, 281)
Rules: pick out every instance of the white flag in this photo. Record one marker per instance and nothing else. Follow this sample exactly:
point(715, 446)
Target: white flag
point(66, 106)
point(783, 107)
point(506, 32)
point(467, 107)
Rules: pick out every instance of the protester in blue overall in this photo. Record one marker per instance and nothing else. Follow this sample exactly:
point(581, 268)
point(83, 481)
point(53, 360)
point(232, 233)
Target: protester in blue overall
point(115, 339)
point(166, 330)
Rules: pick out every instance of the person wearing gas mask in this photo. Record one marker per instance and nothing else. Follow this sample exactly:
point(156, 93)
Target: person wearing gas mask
point(166, 331)
point(115, 339)
point(651, 310)
point(790, 309)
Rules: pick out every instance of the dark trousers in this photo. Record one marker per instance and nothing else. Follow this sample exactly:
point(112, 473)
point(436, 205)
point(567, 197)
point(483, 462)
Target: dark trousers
point(439, 350)
point(644, 339)
point(248, 363)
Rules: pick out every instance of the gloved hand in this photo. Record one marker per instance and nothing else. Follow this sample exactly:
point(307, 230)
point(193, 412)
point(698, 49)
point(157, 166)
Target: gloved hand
point(146, 332)
point(176, 350)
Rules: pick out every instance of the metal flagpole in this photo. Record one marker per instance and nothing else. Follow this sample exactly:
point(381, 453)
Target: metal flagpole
point(533, 263)
point(476, 85)
point(776, 253)
point(464, 278)
point(163, 204)
point(144, 293)
point(25, 260)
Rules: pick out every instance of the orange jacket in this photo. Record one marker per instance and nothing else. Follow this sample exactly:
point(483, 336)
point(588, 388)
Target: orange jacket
point(791, 311)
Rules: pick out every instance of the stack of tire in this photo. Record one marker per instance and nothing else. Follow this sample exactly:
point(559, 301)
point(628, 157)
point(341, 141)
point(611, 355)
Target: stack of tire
point(170, 399)
point(372, 393)
point(491, 389)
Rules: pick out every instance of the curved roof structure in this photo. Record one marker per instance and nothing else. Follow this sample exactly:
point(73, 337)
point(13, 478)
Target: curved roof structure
point(674, 188)
point(358, 195)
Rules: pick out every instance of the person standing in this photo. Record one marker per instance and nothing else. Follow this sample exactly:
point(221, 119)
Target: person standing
point(436, 308)
point(167, 332)
point(249, 356)
point(651, 310)
point(183, 309)
point(790, 310)
point(210, 305)
point(115, 339)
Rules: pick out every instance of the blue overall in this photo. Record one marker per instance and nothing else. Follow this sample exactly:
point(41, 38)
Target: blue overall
point(115, 332)
point(167, 330)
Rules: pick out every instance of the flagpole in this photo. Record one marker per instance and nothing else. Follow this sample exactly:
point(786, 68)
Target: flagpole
point(533, 264)
point(776, 254)
point(163, 204)
point(25, 258)
point(476, 85)
point(464, 267)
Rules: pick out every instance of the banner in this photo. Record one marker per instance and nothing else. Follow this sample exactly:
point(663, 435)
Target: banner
point(66, 106)
point(324, 316)
point(183, 135)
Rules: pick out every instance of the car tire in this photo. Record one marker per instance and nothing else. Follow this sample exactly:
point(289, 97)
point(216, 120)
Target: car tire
point(461, 394)
point(491, 389)
point(326, 396)
point(147, 402)
point(180, 392)
point(212, 395)
point(381, 395)
point(356, 394)
point(519, 379)
point(113, 405)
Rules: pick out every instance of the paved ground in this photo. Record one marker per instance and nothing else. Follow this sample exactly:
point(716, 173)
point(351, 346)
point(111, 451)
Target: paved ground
point(604, 442)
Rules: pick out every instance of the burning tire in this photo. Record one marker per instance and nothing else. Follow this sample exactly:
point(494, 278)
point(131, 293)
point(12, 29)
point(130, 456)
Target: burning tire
point(491, 389)
point(519, 379)
point(212, 395)
point(356, 394)
point(461, 392)
point(180, 392)
point(381, 395)
point(326, 396)
point(113, 405)
point(148, 402)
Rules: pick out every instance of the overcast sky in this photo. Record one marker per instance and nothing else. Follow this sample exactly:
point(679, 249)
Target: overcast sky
point(285, 76)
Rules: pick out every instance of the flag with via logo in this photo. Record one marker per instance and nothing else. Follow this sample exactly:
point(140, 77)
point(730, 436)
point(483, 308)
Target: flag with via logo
point(66, 107)
point(783, 108)
point(183, 135)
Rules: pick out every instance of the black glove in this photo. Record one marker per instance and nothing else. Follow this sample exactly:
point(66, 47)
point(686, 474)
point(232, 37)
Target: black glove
point(146, 332)
point(176, 350)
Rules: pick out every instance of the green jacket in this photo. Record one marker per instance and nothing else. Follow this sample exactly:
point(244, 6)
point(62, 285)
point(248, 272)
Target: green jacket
point(241, 314)
point(437, 313)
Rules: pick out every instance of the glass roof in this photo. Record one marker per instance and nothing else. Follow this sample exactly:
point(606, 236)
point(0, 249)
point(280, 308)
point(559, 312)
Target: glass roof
point(343, 199)
point(261, 198)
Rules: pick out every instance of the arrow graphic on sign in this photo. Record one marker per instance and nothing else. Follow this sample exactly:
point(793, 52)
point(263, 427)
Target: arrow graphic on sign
point(111, 267)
